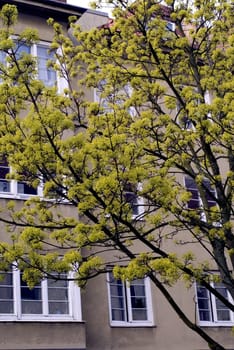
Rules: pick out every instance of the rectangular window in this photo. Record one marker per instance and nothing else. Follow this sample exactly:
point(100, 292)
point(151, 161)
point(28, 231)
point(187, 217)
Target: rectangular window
point(182, 117)
point(4, 171)
point(46, 74)
point(132, 198)
point(6, 293)
point(25, 188)
point(170, 26)
point(210, 309)
point(51, 298)
point(195, 201)
point(12, 187)
point(130, 302)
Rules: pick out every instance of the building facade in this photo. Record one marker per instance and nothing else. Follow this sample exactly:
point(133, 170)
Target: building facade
point(108, 314)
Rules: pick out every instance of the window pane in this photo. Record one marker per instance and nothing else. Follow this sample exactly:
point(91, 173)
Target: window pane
point(58, 296)
point(132, 199)
point(4, 171)
point(139, 314)
point(21, 49)
point(117, 299)
point(210, 193)
point(45, 74)
point(2, 57)
point(116, 289)
point(6, 293)
point(24, 188)
point(203, 299)
point(194, 202)
point(138, 300)
point(31, 307)
point(58, 308)
point(118, 314)
point(223, 312)
point(31, 299)
point(117, 302)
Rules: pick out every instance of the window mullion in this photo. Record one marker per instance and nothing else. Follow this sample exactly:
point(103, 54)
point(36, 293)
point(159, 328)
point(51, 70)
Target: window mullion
point(44, 291)
point(17, 293)
point(128, 301)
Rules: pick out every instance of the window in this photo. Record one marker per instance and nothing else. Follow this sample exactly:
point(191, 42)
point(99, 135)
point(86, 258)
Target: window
point(117, 97)
point(46, 74)
point(50, 299)
point(170, 26)
point(130, 302)
point(132, 198)
point(211, 310)
point(184, 121)
point(12, 187)
point(195, 201)
point(4, 171)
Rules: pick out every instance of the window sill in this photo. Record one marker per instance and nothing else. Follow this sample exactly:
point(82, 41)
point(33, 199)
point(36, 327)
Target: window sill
point(40, 319)
point(22, 196)
point(25, 197)
point(132, 325)
point(216, 324)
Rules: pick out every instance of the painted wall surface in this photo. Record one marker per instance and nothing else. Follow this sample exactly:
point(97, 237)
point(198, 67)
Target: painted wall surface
point(39, 335)
point(168, 332)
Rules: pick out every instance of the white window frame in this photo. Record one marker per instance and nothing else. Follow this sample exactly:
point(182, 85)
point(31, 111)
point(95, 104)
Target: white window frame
point(200, 206)
point(170, 26)
point(129, 322)
point(74, 303)
point(13, 187)
point(127, 89)
point(214, 322)
point(188, 123)
point(139, 204)
point(60, 82)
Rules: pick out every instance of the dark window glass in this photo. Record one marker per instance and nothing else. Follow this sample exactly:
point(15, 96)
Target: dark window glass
point(31, 299)
point(58, 296)
point(4, 171)
point(6, 293)
point(24, 188)
point(194, 202)
point(203, 299)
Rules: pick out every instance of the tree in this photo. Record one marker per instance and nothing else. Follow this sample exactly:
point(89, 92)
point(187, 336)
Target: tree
point(164, 80)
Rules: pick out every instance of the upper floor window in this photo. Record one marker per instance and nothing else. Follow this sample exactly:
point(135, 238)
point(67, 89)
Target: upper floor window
point(184, 121)
point(195, 201)
point(132, 198)
point(41, 51)
point(46, 74)
point(4, 171)
point(130, 302)
point(170, 26)
point(114, 97)
point(211, 310)
point(13, 187)
point(51, 298)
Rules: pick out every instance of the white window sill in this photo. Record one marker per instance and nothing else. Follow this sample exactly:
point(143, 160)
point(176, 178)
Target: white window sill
point(16, 196)
point(13, 318)
point(132, 324)
point(216, 324)
point(25, 197)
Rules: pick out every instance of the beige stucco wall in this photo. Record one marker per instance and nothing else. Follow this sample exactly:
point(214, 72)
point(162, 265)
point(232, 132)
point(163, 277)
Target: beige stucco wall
point(47, 335)
point(168, 333)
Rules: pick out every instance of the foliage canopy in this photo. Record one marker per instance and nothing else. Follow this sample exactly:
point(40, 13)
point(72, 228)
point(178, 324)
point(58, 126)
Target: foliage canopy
point(113, 170)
